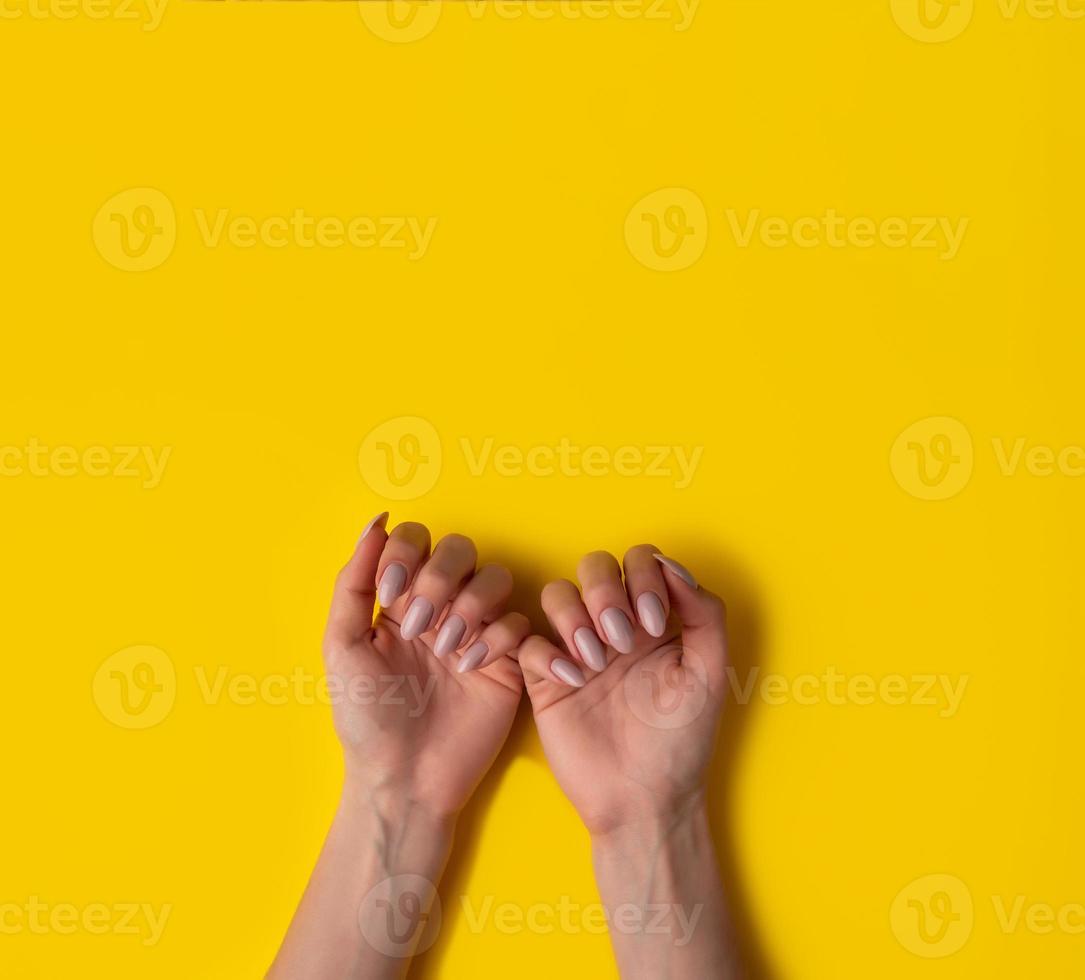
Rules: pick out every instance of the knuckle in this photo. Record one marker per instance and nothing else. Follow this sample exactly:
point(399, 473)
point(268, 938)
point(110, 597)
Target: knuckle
point(517, 624)
point(553, 593)
point(716, 607)
point(607, 590)
point(436, 580)
point(458, 542)
point(412, 530)
point(597, 558)
point(501, 576)
point(641, 552)
point(534, 647)
point(470, 607)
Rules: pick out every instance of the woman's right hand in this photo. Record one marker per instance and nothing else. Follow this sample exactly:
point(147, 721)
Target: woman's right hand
point(628, 716)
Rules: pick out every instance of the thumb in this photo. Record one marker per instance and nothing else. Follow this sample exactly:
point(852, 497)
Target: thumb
point(703, 614)
point(355, 594)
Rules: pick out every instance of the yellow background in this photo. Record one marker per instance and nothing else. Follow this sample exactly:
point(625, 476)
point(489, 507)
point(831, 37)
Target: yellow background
point(529, 320)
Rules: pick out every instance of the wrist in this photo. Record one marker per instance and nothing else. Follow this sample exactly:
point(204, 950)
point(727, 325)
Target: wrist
point(659, 880)
point(649, 826)
point(374, 798)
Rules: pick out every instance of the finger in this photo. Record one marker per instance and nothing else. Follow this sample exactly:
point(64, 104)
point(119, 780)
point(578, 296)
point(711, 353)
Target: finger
point(481, 599)
point(497, 640)
point(646, 588)
point(407, 548)
point(571, 621)
point(703, 614)
point(355, 587)
point(543, 665)
point(439, 579)
point(604, 595)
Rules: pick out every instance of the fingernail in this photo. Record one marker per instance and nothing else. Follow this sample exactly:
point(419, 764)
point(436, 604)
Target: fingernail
point(680, 570)
point(378, 520)
point(473, 656)
point(618, 629)
point(391, 584)
point(416, 622)
point(590, 648)
point(650, 611)
point(567, 673)
point(449, 635)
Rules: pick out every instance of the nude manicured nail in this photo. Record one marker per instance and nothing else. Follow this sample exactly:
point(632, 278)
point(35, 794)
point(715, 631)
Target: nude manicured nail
point(379, 519)
point(618, 629)
point(473, 656)
point(567, 673)
point(449, 636)
point(392, 582)
point(589, 647)
point(418, 617)
point(680, 570)
point(650, 613)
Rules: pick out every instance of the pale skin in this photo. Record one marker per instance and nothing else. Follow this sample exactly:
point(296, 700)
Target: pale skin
point(627, 716)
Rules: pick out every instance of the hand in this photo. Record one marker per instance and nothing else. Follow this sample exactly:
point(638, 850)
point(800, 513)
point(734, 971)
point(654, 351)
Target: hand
point(424, 698)
point(628, 719)
point(629, 727)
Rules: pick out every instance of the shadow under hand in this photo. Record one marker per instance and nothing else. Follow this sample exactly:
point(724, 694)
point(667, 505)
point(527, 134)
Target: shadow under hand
point(522, 741)
point(724, 577)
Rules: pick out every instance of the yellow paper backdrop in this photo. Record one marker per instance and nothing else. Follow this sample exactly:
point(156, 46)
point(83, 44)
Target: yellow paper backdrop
point(829, 254)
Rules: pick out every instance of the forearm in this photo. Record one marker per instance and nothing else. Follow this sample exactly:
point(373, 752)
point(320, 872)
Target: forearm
point(365, 910)
point(660, 883)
